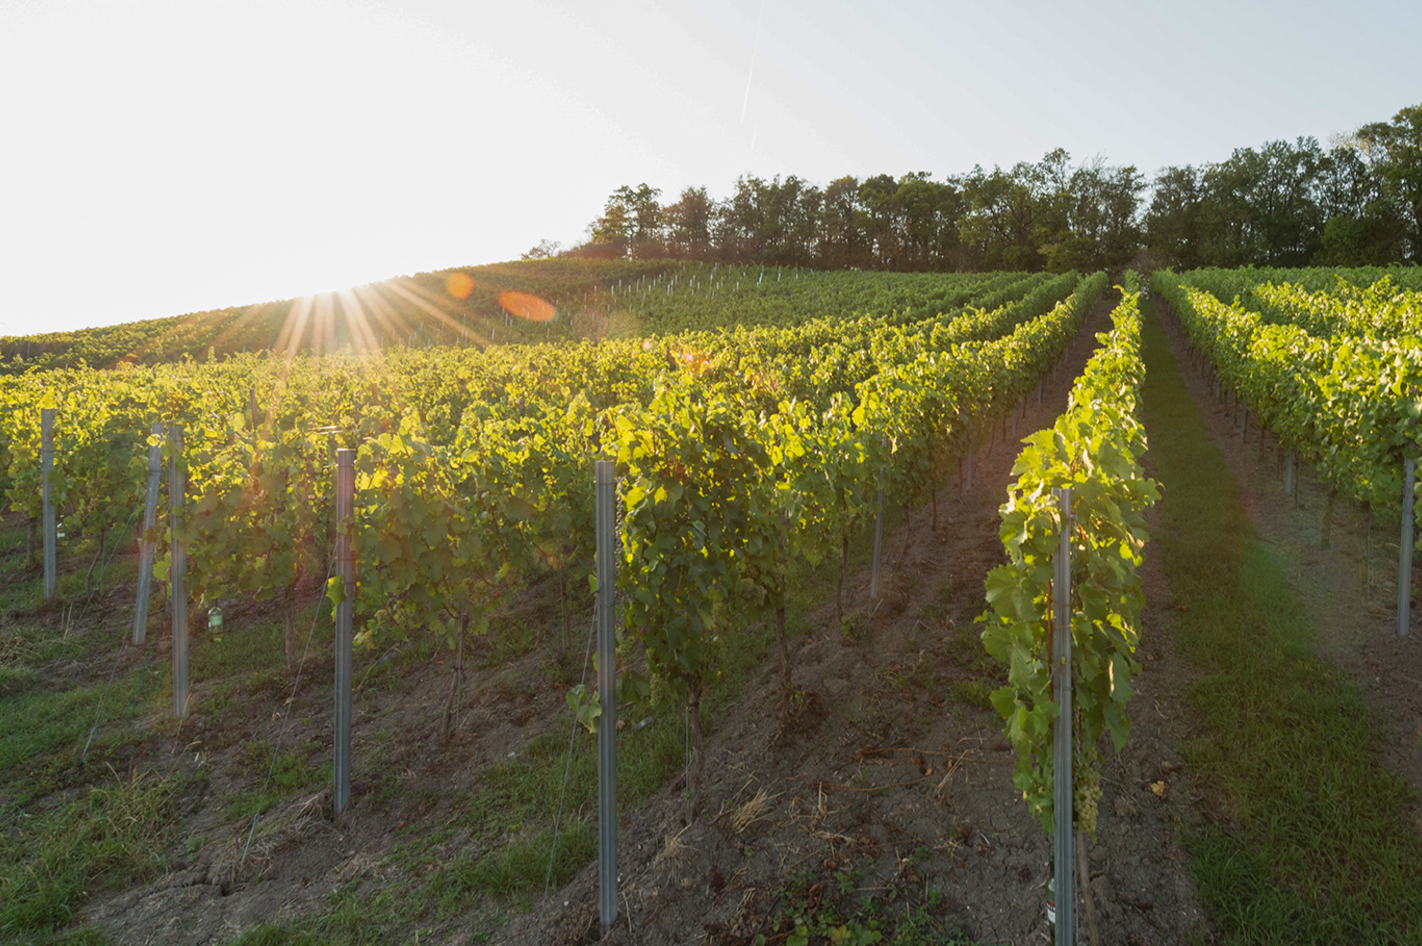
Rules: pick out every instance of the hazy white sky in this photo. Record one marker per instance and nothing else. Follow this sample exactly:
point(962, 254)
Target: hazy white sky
point(158, 158)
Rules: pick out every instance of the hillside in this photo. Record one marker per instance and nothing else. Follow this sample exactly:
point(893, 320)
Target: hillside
point(806, 754)
point(500, 303)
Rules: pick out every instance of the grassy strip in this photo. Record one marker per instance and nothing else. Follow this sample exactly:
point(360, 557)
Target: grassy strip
point(114, 834)
point(1310, 841)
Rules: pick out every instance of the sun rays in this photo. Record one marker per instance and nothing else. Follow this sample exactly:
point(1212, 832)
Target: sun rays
point(452, 308)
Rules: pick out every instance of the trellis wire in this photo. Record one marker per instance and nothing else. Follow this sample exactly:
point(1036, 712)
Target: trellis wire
point(285, 719)
point(563, 792)
point(113, 668)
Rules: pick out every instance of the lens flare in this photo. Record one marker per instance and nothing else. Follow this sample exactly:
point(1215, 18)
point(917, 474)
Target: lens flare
point(525, 306)
point(460, 285)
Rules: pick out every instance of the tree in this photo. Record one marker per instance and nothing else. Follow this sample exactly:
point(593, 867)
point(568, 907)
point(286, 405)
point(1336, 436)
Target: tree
point(1398, 146)
point(999, 220)
point(1289, 226)
point(612, 230)
point(1121, 229)
point(1362, 227)
point(631, 222)
point(546, 249)
point(1173, 220)
point(883, 220)
point(688, 224)
point(929, 211)
point(798, 205)
point(1259, 207)
point(842, 242)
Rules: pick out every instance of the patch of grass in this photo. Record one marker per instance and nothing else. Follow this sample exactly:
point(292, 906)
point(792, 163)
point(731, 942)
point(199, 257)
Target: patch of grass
point(14, 680)
point(513, 640)
point(42, 732)
point(114, 833)
point(974, 691)
point(240, 651)
point(291, 771)
point(512, 812)
point(909, 678)
point(960, 644)
point(854, 627)
point(1312, 842)
point(515, 868)
point(85, 936)
point(359, 917)
point(22, 591)
point(32, 645)
point(381, 671)
point(566, 667)
point(825, 906)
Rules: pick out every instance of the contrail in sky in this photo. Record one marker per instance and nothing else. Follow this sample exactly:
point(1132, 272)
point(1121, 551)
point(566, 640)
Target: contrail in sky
point(751, 72)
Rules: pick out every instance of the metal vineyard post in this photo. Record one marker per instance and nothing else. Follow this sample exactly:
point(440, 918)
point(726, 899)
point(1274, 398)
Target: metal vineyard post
point(345, 500)
point(46, 466)
point(149, 548)
point(1404, 575)
point(1061, 746)
point(179, 568)
point(604, 498)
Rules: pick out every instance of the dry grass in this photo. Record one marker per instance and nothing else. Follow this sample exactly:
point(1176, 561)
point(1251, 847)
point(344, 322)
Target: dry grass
point(745, 815)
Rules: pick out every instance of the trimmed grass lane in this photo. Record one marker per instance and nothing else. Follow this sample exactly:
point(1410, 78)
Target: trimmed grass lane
point(1308, 839)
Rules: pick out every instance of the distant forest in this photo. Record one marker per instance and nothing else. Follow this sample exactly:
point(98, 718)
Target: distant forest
point(1357, 203)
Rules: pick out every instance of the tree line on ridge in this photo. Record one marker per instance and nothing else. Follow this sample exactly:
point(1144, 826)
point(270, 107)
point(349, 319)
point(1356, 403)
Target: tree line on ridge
point(1357, 202)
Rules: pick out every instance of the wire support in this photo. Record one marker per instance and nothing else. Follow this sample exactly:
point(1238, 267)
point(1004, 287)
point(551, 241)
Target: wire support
point(285, 719)
point(563, 792)
point(113, 668)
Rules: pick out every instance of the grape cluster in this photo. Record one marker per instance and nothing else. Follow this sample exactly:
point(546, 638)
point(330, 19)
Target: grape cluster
point(1086, 796)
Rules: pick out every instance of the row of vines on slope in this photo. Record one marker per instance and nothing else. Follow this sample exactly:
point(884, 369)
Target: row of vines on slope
point(1094, 448)
point(724, 501)
point(262, 429)
point(1347, 403)
point(719, 469)
point(508, 303)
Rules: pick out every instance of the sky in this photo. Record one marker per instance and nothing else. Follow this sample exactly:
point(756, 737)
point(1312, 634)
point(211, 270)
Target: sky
point(159, 158)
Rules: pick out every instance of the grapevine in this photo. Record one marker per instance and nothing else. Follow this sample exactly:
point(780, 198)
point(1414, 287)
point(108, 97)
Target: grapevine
point(1094, 448)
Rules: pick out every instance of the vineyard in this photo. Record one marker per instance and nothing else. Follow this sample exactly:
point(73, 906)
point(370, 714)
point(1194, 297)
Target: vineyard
point(509, 303)
point(1335, 374)
point(767, 426)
